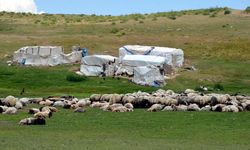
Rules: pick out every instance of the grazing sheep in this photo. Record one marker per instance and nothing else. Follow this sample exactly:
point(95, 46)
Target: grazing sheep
point(155, 107)
point(79, 110)
point(58, 104)
point(206, 108)
point(180, 108)
point(33, 110)
point(24, 101)
point(10, 101)
point(129, 106)
point(128, 99)
point(19, 105)
point(10, 111)
point(44, 114)
point(32, 121)
point(193, 107)
point(218, 107)
point(120, 109)
point(48, 108)
point(97, 104)
point(105, 97)
point(114, 106)
point(115, 98)
point(46, 103)
point(4, 108)
point(95, 97)
point(230, 108)
point(168, 108)
point(1, 110)
point(105, 107)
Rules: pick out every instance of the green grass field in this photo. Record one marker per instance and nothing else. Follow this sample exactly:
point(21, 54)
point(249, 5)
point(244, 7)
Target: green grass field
point(136, 130)
point(216, 44)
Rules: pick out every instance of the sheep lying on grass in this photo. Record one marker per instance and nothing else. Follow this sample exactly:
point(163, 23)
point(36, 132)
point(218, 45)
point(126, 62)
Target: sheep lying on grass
point(33, 121)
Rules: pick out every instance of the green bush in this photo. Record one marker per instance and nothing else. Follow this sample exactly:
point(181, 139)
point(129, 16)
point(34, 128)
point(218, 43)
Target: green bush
point(172, 17)
point(114, 30)
point(227, 12)
point(75, 78)
point(218, 87)
point(247, 10)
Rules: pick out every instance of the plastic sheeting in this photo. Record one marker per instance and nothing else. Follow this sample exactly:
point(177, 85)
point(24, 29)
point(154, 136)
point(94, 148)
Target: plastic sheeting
point(173, 57)
point(96, 65)
point(98, 60)
point(148, 75)
point(45, 56)
point(142, 60)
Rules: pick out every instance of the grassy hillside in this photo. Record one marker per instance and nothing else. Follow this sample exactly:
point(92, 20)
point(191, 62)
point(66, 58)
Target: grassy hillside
point(215, 43)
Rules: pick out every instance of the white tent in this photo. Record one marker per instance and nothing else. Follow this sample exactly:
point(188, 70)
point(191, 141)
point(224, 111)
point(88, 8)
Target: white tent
point(96, 65)
point(45, 56)
point(148, 75)
point(129, 62)
point(173, 57)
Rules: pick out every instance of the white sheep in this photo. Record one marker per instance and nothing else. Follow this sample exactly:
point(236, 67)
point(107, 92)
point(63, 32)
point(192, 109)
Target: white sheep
point(79, 110)
point(10, 111)
point(95, 97)
point(97, 104)
point(193, 107)
point(120, 109)
point(46, 102)
point(44, 114)
point(155, 107)
point(3, 108)
point(24, 101)
point(230, 108)
point(187, 91)
point(48, 108)
point(105, 97)
point(10, 101)
point(32, 121)
point(19, 105)
point(180, 107)
point(58, 104)
point(206, 108)
point(33, 110)
point(218, 107)
point(115, 98)
point(168, 108)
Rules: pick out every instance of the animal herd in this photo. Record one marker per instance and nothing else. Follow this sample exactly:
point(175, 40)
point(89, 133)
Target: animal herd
point(160, 100)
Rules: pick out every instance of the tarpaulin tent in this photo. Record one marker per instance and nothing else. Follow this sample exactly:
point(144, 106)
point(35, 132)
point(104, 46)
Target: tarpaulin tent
point(148, 75)
point(96, 65)
point(173, 57)
point(45, 56)
point(129, 62)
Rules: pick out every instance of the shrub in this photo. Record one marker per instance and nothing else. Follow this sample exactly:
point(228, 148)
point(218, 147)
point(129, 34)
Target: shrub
point(141, 21)
point(213, 15)
point(114, 30)
point(172, 17)
point(227, 12)
point(75, 78)
point(218, 87)
point(247, 10)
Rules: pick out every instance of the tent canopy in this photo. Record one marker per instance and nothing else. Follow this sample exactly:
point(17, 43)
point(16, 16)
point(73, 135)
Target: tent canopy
point(98, 60)
point(148, 75)
point(45, 56)
point(96, 65)
point(142, 60)
point(173, 56)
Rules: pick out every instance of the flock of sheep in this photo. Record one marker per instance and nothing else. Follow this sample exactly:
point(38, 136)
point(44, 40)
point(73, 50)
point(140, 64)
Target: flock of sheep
point(160, 100)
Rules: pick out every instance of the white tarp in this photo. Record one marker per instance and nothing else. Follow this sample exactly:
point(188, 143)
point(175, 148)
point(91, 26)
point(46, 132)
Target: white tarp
point(98, 60)
point(148, 75)
point(173, 57)
point(96, 65)
point(45, 56)
point(142, 60)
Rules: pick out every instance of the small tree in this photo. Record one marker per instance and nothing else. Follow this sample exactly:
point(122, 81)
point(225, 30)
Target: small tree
point(227, 12)
point(247, 10)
